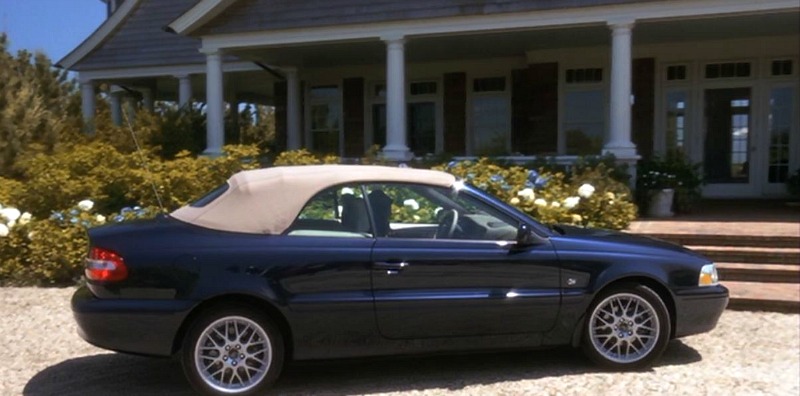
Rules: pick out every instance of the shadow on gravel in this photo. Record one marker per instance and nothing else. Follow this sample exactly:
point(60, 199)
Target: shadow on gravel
point(131, 375)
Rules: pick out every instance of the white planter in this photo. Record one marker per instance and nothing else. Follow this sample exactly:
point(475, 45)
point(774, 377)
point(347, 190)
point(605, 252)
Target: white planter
point(661, 203)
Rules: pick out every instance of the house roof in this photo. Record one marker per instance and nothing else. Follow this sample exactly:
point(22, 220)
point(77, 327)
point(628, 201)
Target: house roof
point(261, 15)
point(134, 36)
point(267, 201)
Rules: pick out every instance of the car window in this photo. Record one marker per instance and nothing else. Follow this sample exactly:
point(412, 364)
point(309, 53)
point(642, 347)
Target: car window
point(429, 212)
point(335, 212)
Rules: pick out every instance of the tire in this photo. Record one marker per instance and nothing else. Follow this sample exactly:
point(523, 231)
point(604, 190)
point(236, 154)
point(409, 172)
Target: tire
point(626, 328)
point(232, 350)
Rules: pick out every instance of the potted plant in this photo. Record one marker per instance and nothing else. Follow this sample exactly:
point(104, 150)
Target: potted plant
point(668, 184)
point(793, 185)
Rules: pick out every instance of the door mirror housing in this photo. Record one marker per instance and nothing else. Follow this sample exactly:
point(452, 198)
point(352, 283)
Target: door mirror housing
point(526, 237)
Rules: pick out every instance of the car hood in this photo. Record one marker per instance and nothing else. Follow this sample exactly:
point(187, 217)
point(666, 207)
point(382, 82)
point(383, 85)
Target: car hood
point(581, 238)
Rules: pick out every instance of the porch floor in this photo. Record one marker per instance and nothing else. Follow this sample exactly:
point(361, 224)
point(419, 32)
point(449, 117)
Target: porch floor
point(755, 243)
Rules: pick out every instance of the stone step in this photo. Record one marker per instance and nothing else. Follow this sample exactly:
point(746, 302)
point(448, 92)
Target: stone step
point(763, 241)
point(755, 255)
point(748, 272)
point(754, 296)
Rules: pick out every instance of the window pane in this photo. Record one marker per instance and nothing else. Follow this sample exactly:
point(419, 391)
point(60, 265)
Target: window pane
point(335, 212)
point(780, 124)
point(422, 128)
point(584, 122)
point(490, 124)
point(419, 211)
point(676, 119)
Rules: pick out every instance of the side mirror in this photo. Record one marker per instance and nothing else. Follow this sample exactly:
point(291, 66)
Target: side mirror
point(526, 236)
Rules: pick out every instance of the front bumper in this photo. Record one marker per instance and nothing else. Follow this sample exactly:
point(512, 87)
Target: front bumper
point(146, 327)
point(698, 310)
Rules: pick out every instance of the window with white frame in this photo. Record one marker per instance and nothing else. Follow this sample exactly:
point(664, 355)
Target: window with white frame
point(675, 127)
point(421, 117)
point(325, 119)
point(583, 122)
point(490, 116)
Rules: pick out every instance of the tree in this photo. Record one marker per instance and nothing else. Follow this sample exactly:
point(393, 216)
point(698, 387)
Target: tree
point(37, 104)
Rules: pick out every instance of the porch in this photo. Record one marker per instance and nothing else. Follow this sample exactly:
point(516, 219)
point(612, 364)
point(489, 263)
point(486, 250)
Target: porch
point(755, 243)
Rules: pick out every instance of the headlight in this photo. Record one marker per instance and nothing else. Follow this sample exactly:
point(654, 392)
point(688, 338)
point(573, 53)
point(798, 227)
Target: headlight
point(708, 275)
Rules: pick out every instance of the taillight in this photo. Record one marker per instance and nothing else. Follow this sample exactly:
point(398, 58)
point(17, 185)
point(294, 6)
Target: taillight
point(105, 266)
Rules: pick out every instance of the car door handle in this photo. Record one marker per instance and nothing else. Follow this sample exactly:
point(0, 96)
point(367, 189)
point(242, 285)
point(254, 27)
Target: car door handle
point(391, 267)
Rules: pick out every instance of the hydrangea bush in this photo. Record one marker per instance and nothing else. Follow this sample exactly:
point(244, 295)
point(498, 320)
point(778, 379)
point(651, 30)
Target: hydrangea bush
point(588, 197)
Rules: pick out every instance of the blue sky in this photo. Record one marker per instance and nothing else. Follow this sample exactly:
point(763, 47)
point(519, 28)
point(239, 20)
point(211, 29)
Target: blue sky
point(54, 27)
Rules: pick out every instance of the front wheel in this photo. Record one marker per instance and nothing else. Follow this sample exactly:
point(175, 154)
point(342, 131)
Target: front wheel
point(232, 351)
point(627, 328)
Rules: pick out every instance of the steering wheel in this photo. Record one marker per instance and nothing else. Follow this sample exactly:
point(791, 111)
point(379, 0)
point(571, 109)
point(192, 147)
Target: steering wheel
point(448, 222)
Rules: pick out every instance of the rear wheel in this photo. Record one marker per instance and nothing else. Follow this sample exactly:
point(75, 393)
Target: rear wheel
point(232, 351)
point(627, 328)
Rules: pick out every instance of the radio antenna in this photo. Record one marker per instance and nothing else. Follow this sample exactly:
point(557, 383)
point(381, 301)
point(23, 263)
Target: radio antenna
point(143, 160)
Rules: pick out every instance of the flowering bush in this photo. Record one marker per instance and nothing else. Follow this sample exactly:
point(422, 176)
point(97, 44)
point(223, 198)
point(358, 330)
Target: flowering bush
point(51, 251)
point(588, 197)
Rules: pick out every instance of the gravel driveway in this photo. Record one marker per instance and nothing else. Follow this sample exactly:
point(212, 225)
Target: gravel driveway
point(749, 353)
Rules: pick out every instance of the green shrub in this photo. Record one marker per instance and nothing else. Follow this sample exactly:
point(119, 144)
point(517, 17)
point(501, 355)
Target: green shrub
point(793, 184)
point(303, 157)
point(672, 171)
point(589, 197)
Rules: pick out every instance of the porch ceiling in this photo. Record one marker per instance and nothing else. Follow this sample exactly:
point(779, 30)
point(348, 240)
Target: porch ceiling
point(472, 45)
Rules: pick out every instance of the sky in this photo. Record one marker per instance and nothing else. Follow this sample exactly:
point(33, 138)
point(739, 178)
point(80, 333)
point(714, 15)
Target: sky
point(54, 27)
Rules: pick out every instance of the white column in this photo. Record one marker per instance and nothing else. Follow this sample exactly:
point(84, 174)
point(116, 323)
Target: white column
point(619, 135)
point(88, 105)
point(115, 102)
point(215, 110)
point(396, 148)
point(184, 90)
point(148, 100)
point(292, 109)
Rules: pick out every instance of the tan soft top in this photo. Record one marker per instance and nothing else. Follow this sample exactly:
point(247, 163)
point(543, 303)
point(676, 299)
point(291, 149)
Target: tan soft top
point(266, 201)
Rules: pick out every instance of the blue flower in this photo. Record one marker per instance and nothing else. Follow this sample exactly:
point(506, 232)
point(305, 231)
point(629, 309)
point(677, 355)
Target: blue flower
point(125, 210)
point(58, 216)
point(74, 212)
point(119, 218)
point(452, 164)
point(73, 220)
point(496, 178)
point(540, 181)
point(528, 184)
point(86, 223)
point(532, 174)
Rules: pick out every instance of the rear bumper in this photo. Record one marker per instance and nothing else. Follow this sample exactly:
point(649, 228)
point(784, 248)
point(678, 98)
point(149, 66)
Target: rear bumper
point(146, 327)
point(698, 310)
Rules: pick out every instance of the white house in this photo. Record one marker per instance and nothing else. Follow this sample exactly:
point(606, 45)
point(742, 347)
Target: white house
point(718, 78)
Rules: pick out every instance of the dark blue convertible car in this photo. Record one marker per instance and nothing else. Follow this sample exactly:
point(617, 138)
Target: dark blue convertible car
point(334, 261)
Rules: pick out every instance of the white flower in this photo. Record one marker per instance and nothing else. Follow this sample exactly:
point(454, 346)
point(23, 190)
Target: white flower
point(527, 193)
point(85, 205)
point(347, 191)
point(3, 231)
point(411, 204)
point(540, 202)
point(576, 218)
point(11, 214)
point(555, 204)
point(515, 201)
point(100, 219)
point(25, 218)
point(586, 190)
point(11, 224)
point(571, 202)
